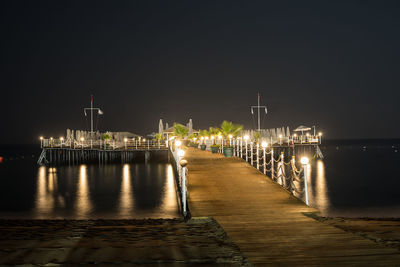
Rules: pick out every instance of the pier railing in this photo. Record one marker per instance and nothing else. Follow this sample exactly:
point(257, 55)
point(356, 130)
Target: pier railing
point(103, 144)
point(289, 172)
point(181, 181)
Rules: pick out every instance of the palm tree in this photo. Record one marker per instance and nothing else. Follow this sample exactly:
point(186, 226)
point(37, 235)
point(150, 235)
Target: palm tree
point(257, 136)
point(180, 130)
point(192, 136)
point(214, 131)
point(203, 133)
point(228, 128)
point(106, 137)
point(159, 137)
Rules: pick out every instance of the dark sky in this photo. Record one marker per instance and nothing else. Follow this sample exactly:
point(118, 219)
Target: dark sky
point(334, 65)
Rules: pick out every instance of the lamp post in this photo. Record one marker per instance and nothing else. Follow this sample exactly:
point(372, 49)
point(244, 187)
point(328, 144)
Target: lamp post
point(320, 137)
point(183, 164)
point(180, 153)
point(241, 147)
point(125, 140)
point(82, 139)
point(280, 139)
point(304, 161)
point(246, 137)
point(178, 143)
point(264, 146)
point(272, 164)
point(51, 141)
point(221, 142)
point(61, 141)
point(41, 141)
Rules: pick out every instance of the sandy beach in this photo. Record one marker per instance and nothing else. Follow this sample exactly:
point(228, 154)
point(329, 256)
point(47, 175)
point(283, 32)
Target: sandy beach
point(384, 231)
point(161, 242)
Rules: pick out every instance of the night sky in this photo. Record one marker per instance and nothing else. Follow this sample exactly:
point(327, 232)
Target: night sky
point(334, 65)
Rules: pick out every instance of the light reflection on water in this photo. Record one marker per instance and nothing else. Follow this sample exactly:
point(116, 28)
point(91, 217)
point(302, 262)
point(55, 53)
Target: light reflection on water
point(84, 192)
point(83, 204)
point(126, 199)
point(317, 186)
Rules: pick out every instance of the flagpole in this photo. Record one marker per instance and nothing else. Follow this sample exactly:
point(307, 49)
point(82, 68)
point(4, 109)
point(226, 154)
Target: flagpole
point(258, 109)
point(91, 114)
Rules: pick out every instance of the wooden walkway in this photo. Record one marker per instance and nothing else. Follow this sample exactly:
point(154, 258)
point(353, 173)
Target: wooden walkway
point(267, 223)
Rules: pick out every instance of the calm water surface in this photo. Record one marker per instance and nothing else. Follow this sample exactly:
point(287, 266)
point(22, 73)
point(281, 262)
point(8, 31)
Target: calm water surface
point(356, 179)
point(117, 191)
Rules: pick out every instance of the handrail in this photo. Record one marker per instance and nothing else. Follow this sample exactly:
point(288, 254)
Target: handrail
point(182, 171)
point(102, 144)
point(285, 173)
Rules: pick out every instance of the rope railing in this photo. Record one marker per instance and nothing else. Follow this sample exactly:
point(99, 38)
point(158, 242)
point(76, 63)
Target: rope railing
point(285, 173)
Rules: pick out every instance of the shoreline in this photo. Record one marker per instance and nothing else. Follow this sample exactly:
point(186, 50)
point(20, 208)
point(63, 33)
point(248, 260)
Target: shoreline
point(383, 231)
point(135, 242)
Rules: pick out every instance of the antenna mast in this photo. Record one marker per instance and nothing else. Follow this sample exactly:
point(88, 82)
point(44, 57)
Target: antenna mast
point(99, 111)
point(258, 110)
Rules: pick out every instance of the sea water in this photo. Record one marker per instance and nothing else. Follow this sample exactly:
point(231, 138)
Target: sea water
point(114, 191)
point(357, 178)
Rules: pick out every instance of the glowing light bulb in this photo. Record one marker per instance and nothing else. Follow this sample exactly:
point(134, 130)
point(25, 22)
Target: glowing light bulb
point(304, 160)
point(264, 144)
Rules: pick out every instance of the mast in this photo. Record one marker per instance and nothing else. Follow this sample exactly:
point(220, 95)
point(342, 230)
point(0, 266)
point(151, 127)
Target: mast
point(99, 112)
point(91, 114)
point(258, 111)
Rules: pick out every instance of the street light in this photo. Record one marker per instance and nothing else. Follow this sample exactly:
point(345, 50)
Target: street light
point(82, 139)
point(264, 144)
point(246, 137)
point(304, 161)
point(61, 139)
point(41, 141)
point(125, 140)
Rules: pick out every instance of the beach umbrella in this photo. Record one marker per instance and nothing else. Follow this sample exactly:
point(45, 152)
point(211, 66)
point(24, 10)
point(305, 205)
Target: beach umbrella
point(160, 127)
point(190, 126)
point(302, 129)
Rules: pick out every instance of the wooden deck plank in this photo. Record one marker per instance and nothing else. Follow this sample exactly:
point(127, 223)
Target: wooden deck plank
point(266, 222)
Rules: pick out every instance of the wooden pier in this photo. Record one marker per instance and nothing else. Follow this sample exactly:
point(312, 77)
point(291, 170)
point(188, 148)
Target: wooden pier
point(55, 153)
point(270, 226)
